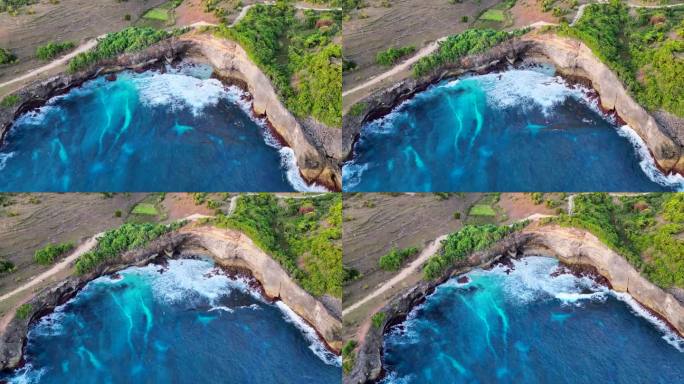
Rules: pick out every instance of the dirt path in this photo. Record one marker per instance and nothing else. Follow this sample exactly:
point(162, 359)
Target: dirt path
point(414, 266)
point(88, 45)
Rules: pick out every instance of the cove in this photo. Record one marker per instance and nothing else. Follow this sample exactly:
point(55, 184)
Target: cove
point(185, 322)
point(521, 129)
point(175, 129)
point(528, 323)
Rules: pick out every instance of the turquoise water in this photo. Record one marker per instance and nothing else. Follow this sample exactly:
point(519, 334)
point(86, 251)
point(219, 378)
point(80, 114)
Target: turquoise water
point(525, 326)
point(174, 131)
point(518, 130)
point(186, 323)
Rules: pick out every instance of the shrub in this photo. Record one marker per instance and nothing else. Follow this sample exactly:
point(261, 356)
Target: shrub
point(117, 241)
point(127, 17)
point(391, 55)
point(464, 19)
point(52, 49)
point(378, 319)
point(537, 198)
point(357, 109)
point(130, 39)
point(51, 252)
point(24, 311)
point(393, 260)
point(6, 266)
point(117, 213)
point(7, 57)
point(348, 356)
point(9, 101)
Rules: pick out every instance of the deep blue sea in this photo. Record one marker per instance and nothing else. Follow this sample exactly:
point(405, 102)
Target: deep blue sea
point(529, 327)
point(185, 323)
point(518, 130)
point(175, 131)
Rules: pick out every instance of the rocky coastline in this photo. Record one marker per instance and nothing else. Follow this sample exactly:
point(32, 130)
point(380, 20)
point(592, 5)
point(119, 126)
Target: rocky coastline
point(579, 250)
point(571, 58)
point(317, 152)
point(231, 250)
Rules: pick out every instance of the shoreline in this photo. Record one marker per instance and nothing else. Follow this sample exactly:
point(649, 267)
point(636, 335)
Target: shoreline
point(314, 166)
point(185, 243)
point(530, 49)
point(560, 243)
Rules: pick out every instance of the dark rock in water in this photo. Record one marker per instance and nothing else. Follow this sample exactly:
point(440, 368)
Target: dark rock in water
point(463, 279)
point(111, 77)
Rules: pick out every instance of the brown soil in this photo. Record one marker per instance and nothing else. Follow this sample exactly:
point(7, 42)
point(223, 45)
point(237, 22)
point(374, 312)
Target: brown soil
point(73, 20)
point(518, 206)
point(192, 11)
point(406, 22)
point(180, 205)
point(526, 12)
point(34, 220)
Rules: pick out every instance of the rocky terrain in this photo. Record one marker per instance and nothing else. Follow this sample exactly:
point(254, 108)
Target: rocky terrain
point(570, 57)
point(230, 249)
point(571, 246)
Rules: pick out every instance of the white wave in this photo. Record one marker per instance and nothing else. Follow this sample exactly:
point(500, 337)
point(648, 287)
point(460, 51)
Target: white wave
point(669, 335)
point(647, 163)
point(316, 345)
point(3, 159)
point(38, 116)
point(221, 308)
point(27, 375)
point(288, 161)
point(352, 173)
point(51, 324)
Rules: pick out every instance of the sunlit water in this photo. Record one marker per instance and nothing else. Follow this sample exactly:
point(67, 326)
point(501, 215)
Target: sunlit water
point(518, 130)
point(185, 323)
point(175, 131)
point(530, 327)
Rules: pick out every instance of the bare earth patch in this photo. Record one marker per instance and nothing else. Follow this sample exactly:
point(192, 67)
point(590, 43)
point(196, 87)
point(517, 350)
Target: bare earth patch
point(526, 12)
point(192, 11)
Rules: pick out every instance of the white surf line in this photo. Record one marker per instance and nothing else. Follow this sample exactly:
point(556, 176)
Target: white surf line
point(425, 51)
point(416, 264)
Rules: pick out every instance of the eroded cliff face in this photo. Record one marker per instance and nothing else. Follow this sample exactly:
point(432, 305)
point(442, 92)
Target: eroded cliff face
point(316, 164)
point(570, 57)
point(569, 245)
point(229, 248)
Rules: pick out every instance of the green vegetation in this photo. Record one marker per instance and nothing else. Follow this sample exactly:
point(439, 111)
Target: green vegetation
point(466, 43)
point(459, 245)
point(394, 259)
point(7, 57)
point(378, 319)
point(159, 14)
point(644, 51)
point(493, 15)
point(348, 356)
point(645, 229)
point(482, 210)
point(299, 55)
point(537, 197)
point(9, 101)
point(145, 209)
point(392, 55)
point(12, 6)
point(6, 266)
point(117, 241)
point(52, 49)
point(130, 39)
point(51, 252)
point(24, 311)
point(357, 109)
point(303, 235)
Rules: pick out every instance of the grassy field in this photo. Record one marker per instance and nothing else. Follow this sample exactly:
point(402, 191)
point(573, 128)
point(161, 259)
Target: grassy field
point(145, 209)
point(159, 14)
point(482, 210)
point(493, 15)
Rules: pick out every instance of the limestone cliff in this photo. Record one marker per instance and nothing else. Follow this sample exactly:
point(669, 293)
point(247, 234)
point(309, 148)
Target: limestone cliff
point(229, 248)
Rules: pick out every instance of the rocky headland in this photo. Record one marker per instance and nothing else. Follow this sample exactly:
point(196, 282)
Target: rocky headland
point(571, 58)
point(571, 246)
point(231, 250)
point(316, 148)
